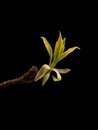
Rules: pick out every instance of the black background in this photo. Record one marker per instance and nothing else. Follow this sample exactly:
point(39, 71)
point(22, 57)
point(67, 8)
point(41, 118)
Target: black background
point(22, 25)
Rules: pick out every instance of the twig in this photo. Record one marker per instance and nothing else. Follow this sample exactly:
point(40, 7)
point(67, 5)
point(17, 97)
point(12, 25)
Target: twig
point(27, 77)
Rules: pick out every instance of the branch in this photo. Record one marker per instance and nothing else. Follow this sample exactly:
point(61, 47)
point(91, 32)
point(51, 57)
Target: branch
point(27, 77)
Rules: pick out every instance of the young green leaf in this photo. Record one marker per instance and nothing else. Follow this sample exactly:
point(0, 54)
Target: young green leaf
point(64, 41)
point(58, 50)
point(59, 46)
point(66, 53)
point(48, 47)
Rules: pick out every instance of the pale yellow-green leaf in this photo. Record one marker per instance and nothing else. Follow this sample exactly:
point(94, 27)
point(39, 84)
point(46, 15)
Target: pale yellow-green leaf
point(42, 71)
point(66, 53)
point(48, 47)
point(58, 78)
point(58, 50)
point(62, 47)
point(64, 42)
point(45, 78)
point(59, 46)
point(63, 71)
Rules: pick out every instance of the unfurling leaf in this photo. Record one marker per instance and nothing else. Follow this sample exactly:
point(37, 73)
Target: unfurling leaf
point(58, 47)
point(48, 47)
point(58, 50)
point(66, 53)
point(64, 41)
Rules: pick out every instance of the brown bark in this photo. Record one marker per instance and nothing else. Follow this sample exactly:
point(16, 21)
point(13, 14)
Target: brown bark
point(27, 77)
